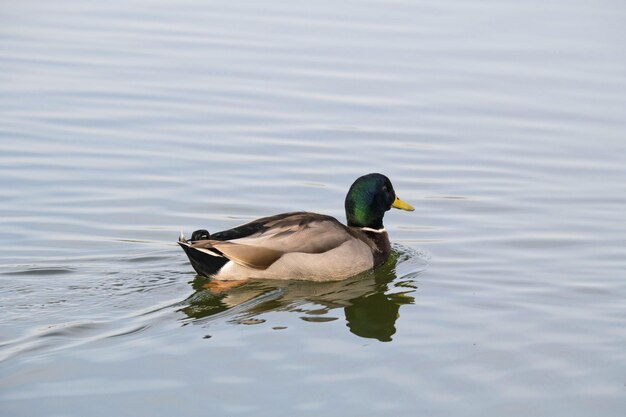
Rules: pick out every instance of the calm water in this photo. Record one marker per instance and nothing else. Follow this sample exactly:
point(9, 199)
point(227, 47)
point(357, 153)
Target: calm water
point(123, 123)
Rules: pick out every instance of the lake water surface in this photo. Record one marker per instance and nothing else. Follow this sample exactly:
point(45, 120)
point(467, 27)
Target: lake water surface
point(503, 123)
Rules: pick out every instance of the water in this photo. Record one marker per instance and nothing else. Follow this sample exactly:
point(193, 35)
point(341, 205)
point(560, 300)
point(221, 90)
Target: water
point(123, 123)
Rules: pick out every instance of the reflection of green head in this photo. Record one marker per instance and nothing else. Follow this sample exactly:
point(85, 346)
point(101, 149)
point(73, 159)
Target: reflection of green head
point(369, 197)
point(373, 316)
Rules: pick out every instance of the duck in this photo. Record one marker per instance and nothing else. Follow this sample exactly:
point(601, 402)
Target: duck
point(302, 245)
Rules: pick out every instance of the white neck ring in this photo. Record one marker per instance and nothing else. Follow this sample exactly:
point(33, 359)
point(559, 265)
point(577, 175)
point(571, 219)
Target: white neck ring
point(369, 229)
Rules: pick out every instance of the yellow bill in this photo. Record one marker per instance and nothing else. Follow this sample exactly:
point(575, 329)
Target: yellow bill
point(402, 205)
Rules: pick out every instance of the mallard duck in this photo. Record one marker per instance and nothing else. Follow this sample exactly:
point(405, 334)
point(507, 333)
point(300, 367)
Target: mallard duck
point(302, 245)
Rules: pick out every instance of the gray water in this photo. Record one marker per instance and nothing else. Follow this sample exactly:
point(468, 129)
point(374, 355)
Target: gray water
point(123, 123)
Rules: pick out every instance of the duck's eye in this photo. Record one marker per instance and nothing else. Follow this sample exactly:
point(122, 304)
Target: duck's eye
point(384, 188)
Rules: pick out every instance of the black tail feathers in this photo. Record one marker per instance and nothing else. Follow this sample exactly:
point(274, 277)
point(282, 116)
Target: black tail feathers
point(200, 235)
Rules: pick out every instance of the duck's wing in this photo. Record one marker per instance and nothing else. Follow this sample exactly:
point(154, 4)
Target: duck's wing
point(260, 243)
point(297, 232)
point(256, 257)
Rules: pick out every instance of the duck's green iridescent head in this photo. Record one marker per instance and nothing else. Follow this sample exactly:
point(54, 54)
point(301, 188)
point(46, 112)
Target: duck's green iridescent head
point(369, 197)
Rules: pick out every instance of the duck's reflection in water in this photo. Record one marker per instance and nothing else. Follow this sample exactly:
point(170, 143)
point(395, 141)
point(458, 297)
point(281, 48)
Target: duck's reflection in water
point(370, 301)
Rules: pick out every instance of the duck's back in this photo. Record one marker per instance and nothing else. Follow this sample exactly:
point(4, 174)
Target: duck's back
point(289, 232)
